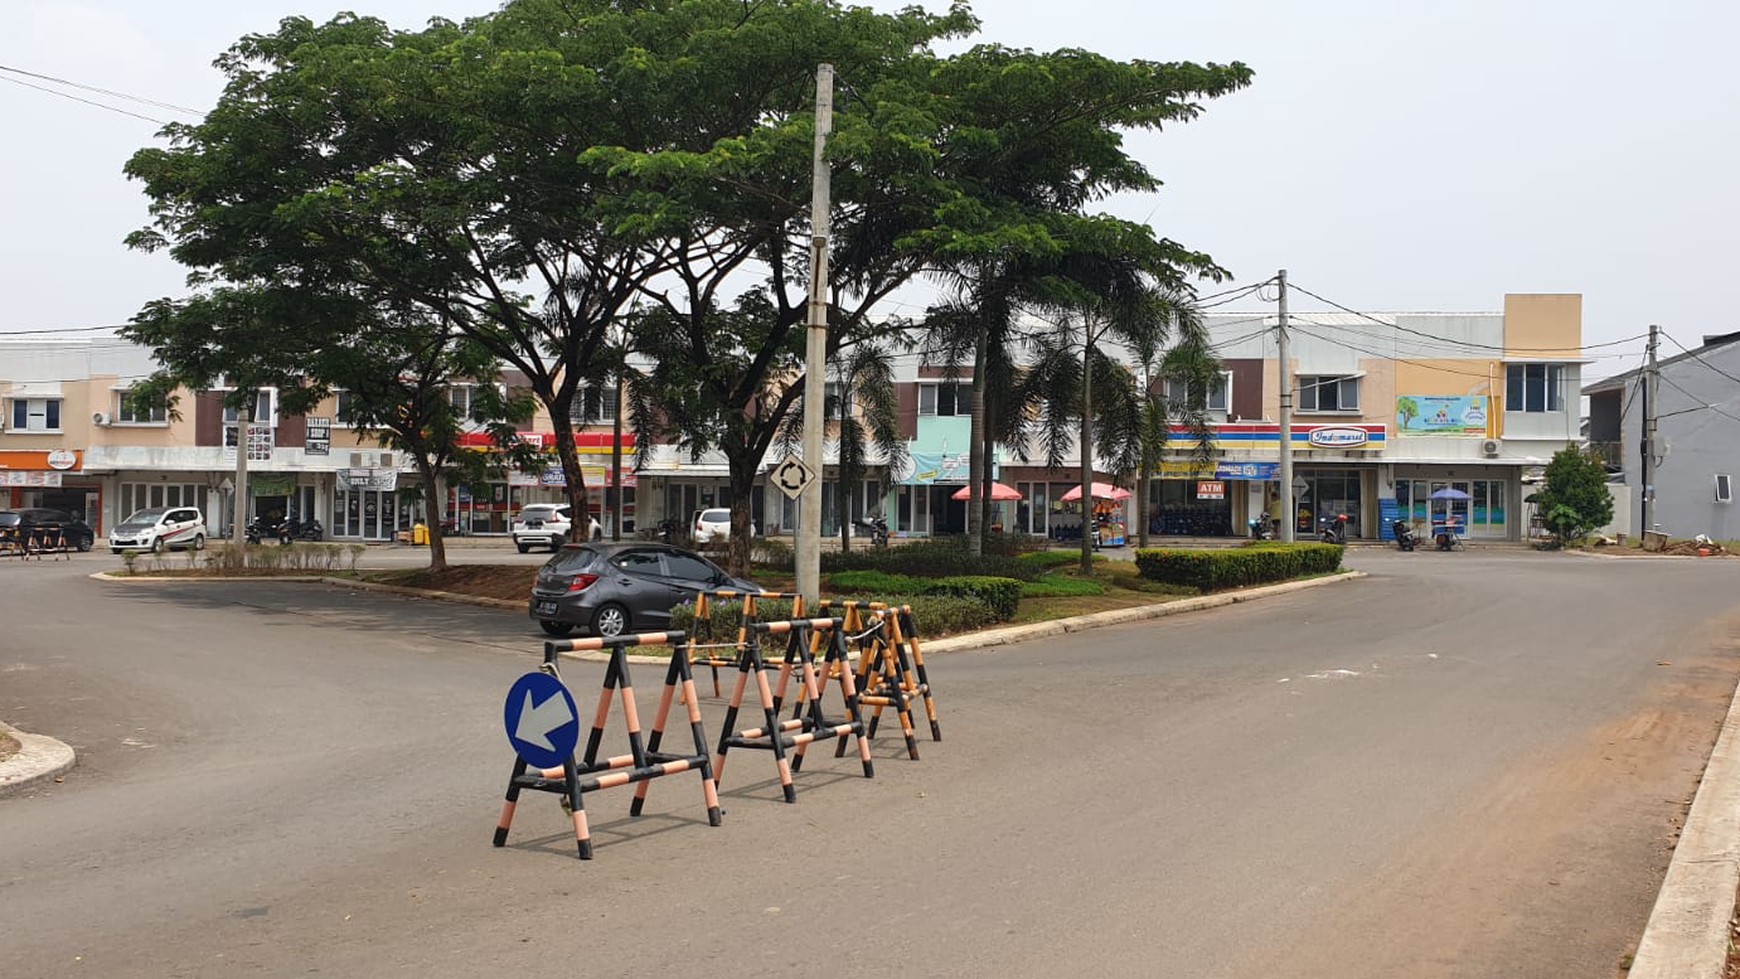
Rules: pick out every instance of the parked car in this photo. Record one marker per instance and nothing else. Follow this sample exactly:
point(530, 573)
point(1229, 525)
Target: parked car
point(714, 524)
point(158, 528)
point(610, 589)
point(548, 525)
point(43, 522)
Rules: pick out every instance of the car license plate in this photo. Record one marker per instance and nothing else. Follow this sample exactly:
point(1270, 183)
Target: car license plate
point(534, 524)
point(546, 608)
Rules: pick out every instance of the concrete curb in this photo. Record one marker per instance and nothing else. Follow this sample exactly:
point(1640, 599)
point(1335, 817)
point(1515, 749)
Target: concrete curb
point(39, 759)
point(1058, 627)
point(1687, 934)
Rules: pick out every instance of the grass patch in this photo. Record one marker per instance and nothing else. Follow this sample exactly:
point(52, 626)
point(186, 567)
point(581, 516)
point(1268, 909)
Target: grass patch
point(1059, 586)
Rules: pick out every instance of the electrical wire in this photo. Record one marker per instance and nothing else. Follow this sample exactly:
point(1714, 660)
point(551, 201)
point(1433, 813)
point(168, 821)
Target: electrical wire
point(75, 98)
point(1717, 408)
point(64, 329)
point(1383, 356)
point(1464, 343)
point(1692, 354)
point(103, 91)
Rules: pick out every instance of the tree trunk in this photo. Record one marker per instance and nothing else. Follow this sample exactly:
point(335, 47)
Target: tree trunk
point(436, 501)
point(740, 549)
point(976, 462)
point(576, 489)
point(1086, 450)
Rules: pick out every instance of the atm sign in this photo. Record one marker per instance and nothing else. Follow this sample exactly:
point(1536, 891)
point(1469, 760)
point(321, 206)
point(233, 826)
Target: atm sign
point(1211, 489)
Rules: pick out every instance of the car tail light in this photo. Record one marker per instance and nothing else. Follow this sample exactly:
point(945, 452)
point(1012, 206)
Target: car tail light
point(581, 582)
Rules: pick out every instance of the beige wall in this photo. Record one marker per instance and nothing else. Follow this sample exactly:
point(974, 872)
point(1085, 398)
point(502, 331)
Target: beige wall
point(1541, 326)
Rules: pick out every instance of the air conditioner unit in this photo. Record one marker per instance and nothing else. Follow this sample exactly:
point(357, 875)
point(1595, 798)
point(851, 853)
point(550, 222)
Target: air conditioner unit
point(1490, 447)
point(100, 419)
point(386, 460)
point(358, 460)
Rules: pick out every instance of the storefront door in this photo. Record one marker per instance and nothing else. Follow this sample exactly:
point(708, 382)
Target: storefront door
point(368, 514)
point(1329, 493)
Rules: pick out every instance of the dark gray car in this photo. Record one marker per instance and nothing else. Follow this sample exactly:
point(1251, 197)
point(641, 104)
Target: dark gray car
point(610, 589)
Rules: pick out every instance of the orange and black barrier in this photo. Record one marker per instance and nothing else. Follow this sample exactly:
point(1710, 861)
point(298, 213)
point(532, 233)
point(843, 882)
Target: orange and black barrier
point(891, 670)
point(703, 645)
point(34, 542)
point(643, 763)
point(809, 723)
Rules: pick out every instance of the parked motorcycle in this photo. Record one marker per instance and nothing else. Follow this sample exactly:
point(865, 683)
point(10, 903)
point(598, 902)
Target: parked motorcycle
point(1334, 529)
point(877, 528)
point(1263, 527)
point(308, 530)
point(1406, 539)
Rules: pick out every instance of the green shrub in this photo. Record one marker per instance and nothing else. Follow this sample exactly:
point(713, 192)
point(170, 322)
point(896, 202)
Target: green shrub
point(1057, 586)
point(1003, 595)
point(774, 555)
point(1051, 559)
point(934, 558)
point(877, 582)
point(1213, 570)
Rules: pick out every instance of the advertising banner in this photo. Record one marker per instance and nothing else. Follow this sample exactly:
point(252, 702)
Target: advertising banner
point(319, 439)
point(1462, 416)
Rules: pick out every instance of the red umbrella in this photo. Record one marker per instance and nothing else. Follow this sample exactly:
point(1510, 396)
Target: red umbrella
point(998, 492)
point(1101, 491)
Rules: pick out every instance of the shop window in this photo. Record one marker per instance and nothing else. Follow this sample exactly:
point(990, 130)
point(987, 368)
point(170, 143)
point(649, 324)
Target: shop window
point(593, 405)
point(345, 405)
point(265, 409)
point(1724, 488)
point(1216, 398)
point(1534, 387)
point(1328, 393)
point(36, 414)
point(945, 400)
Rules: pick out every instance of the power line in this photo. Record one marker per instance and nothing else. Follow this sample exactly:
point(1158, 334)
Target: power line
point(1717, 408)
point(103, 91)
point(1379, 354)
point(75, 98)
point(1464, 343)
point(1699, 359)
point(65, 329)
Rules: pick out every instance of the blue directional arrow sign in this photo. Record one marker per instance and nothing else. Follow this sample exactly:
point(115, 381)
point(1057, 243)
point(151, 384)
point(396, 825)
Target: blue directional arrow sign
point(542, 722)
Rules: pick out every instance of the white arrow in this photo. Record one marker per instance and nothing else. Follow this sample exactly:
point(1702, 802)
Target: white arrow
point(536, 723)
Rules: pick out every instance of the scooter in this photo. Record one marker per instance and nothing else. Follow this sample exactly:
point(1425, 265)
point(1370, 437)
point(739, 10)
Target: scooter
point(1334, 530)
point(1263, 527)
point(878, 529)
point(1406, 539)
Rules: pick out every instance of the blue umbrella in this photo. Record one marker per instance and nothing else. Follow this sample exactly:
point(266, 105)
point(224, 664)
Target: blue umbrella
point(1450, 493)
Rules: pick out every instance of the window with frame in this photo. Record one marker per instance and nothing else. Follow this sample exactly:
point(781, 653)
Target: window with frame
point(1328, 393)
point(264, 409)
point(593, 405)
point(461, 396)
point(1724, 488)
point(36, 414)
point(1217, 398)
point(832, 394)
point(945, 400)
point(1534, 387)
point(127, 413)
point(344, 403)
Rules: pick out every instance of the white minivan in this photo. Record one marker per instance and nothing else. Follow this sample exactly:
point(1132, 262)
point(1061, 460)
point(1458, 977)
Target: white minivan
point(158, 528)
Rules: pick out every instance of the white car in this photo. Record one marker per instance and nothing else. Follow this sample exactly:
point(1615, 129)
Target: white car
point(158, 528)
point(713, 524)
point(548, 525)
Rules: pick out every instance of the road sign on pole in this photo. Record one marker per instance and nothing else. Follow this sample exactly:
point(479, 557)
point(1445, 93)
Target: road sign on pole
point(543, 725)
point(791, 476)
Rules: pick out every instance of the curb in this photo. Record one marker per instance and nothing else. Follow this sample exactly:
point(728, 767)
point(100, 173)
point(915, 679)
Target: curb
point(1078, 623)
point(39, 759)
point(1687, 934)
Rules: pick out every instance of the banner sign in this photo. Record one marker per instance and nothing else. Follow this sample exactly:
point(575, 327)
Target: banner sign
point(259, 442)
point(368, 479)
point(927, 468)
point(13, 477)
point(319, 439)
point(1460, 416)
point(1248, 470)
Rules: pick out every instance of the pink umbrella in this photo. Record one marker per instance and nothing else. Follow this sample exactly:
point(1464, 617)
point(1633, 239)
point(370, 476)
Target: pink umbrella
point(1101, 491)
point(998, 492)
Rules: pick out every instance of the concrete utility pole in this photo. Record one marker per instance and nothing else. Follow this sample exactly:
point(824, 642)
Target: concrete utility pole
point(809, 541)
point(1650, 376)
point(616, 462)
point(239, 513)
point(1290, 514)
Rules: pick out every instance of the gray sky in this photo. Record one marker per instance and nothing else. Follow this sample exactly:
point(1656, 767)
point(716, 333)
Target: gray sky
point(1390, 155)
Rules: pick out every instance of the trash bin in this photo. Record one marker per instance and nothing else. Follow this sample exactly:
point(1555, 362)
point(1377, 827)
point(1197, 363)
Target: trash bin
point(419, 533)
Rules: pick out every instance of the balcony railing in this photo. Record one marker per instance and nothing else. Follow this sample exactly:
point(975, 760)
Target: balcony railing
point(1611, 453)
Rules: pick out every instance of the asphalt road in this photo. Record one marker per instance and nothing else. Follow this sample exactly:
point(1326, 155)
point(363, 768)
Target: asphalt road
point(1465, 765)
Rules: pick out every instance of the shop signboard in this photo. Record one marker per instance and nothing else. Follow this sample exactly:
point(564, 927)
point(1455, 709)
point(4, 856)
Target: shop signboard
point(1461, 416)
point(369, 479)
point(1211, 489)
point(936, 467)
point(1258, 471)
point(1337, 437)
point(260, 438)
point(318, 442)
point(13, 477)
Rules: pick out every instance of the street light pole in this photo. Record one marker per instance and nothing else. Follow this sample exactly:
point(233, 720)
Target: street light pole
point(1290, 517)
point(809, 540)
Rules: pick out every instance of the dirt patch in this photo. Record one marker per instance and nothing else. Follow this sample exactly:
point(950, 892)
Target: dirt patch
point(509, 581)
point(8, 746)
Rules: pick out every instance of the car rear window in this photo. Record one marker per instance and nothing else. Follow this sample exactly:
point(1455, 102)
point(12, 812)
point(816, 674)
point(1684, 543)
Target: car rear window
point(571, 560)
point(538, 513)
point(716, 516)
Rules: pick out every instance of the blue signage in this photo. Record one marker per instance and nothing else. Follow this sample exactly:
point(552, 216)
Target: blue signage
point(1247, 470)
point(542, 722)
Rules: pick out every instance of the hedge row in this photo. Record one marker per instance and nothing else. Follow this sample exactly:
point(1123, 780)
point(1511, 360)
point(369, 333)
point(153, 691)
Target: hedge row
point(1212, 570)
point(934, 615)
point(1056, 586)
point(1001, 594)
point(931, 559)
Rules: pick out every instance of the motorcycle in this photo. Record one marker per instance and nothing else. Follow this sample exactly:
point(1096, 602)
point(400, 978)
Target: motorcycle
point(1263, 527)
point(670, 531)
point(309, 530)
point(1334, 530)
point(1406, 539)
point(877, 528)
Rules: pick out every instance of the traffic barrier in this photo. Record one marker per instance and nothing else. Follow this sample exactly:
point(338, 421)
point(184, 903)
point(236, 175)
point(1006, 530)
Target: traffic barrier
point(891, 670)
point(804, 639)
point(37, 541)
point(573, 778)
point(702, 642)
